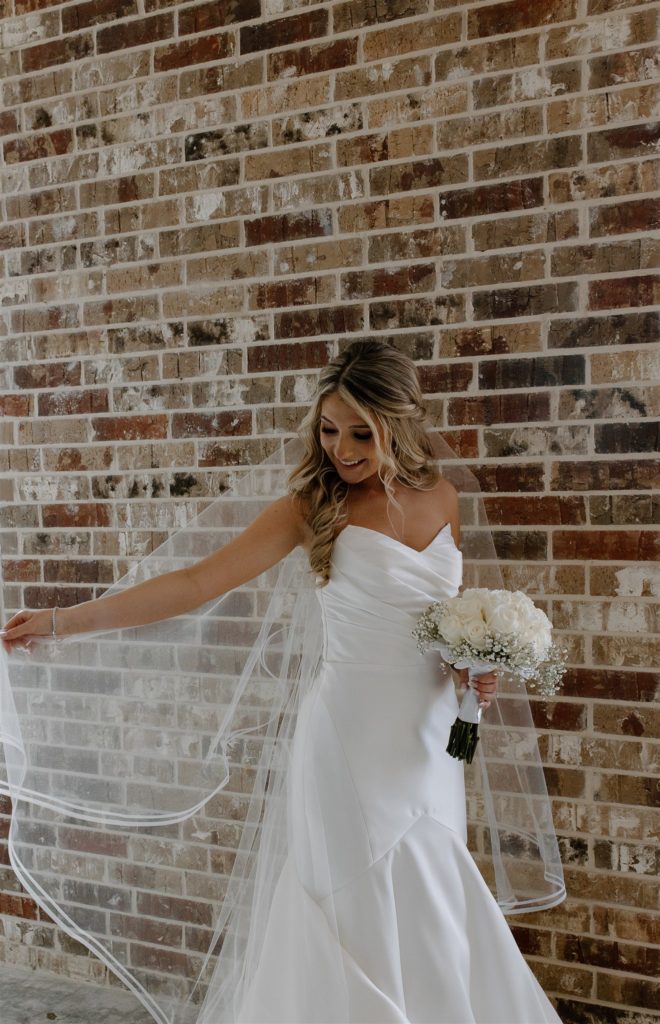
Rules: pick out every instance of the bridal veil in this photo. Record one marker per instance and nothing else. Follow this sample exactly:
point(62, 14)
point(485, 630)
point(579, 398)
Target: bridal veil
point(148, 767)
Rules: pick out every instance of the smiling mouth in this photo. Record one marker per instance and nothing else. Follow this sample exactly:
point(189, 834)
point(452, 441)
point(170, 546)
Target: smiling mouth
point(350, 465)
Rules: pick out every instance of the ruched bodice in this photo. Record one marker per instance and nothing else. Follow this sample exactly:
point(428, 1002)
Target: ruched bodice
point(377, 590)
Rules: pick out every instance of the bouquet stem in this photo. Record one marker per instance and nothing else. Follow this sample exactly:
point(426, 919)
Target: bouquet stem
point(464, 734)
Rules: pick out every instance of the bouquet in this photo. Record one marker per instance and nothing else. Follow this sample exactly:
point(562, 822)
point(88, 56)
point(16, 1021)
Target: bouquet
point(484, 629)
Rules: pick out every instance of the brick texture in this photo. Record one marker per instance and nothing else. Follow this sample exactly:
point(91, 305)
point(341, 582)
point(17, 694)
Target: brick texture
point(200, 204)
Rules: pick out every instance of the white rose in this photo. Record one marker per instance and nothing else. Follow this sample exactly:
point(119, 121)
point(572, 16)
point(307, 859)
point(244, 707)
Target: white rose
point(451, 628)
point(475, 631)
point(471, 608)
point(489, 602)
point(533, 636)
point(505, 618)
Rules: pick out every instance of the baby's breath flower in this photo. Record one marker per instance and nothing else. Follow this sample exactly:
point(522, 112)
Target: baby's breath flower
point(539, 661)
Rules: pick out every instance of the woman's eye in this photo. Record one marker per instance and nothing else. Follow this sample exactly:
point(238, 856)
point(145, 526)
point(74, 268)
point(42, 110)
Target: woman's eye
point(358, 437)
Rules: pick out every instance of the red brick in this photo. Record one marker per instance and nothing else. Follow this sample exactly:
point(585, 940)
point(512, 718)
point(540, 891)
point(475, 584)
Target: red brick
point(625, 545)
point(73, 403)
point(125, 428)
point(76, 514)
point(363, 284)
point(287, 357)
point(96, 12)
point(525, 510)
point(323, 320)
point(310, 60)
point(288, 226)
point(25, 570)
point(18, 906)
point(93, 841)
point(355, 14)
point(15, 405)
point(417, 311)
point(39, 147)
point(384, 213)
point(604, 953)
point(146, 930)
point(445, 377)
point(405, 177)
point(487, 409)
point(189, 911)
point(61, 597)
point(627, 437)
point(619, 474)
point(215, 15)
point(74, 570)
point(515, 15)
point(532, 300)
point(199, 424)
point(633, 140)
point(559, 715)
point(465, 443)
point(295, 292)
point(586, 332)
point(616, 68)
point(613, 293)
point(135, 33)
point(282, 31)
point(487, 199)
point(56, 52)
point(543, 371)
point(515, 477)
point(620, 218)
point(194, 51)
point(609, 684)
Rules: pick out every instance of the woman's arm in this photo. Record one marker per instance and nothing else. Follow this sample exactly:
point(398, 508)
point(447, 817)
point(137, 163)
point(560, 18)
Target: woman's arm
point(272, 535)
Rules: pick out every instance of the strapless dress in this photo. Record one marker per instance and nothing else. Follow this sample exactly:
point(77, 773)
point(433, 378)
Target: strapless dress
point(380, 913)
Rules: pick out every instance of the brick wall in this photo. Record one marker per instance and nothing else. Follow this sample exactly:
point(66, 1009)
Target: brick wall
point(201, 202)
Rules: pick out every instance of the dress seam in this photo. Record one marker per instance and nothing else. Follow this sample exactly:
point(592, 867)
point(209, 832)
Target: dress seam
point(348, 771)
point(377, 860)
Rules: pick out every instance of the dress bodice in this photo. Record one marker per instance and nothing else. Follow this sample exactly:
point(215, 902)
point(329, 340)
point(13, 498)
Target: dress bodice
point(377, 590)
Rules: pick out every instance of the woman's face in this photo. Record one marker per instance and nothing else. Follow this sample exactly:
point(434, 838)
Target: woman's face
point(347, 440)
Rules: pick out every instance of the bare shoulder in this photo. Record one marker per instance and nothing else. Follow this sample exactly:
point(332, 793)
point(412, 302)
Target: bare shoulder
point(446, 497)
point(288, 513)
point(298, 507)
point(445, 492)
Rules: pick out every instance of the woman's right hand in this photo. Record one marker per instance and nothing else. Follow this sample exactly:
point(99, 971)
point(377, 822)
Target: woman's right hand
point(24, 626)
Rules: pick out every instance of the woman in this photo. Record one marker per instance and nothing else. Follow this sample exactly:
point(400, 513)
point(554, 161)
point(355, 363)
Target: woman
point(376, 911)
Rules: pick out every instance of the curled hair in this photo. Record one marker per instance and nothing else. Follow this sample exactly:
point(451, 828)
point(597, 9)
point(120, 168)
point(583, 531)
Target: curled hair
point(381, 384)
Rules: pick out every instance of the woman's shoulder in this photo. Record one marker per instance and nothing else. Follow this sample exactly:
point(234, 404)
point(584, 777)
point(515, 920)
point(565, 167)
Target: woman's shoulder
point(298, 507)
point(445, 490)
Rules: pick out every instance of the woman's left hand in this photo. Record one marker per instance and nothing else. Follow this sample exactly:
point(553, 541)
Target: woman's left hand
point(484, 684)
point(486, 687)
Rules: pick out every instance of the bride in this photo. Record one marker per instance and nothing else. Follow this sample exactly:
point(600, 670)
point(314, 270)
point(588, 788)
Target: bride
point(371, 908)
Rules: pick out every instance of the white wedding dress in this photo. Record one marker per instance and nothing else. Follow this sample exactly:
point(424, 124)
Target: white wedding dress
point(380, 913)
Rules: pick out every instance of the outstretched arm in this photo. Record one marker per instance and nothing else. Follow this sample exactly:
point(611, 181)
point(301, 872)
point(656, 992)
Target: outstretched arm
point(272, 535)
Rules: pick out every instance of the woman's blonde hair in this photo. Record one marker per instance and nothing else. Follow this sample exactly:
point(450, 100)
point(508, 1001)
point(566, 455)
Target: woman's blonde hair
point(381, 384)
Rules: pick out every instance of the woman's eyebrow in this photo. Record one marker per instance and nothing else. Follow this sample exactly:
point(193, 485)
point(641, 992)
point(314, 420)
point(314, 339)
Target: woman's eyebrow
point(360, 425)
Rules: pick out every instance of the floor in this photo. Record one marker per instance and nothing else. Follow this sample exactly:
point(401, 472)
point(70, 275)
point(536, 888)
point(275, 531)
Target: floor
point(37, 997)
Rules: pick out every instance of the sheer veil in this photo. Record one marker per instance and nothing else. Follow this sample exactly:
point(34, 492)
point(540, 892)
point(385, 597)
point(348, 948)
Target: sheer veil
point(155, 772)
